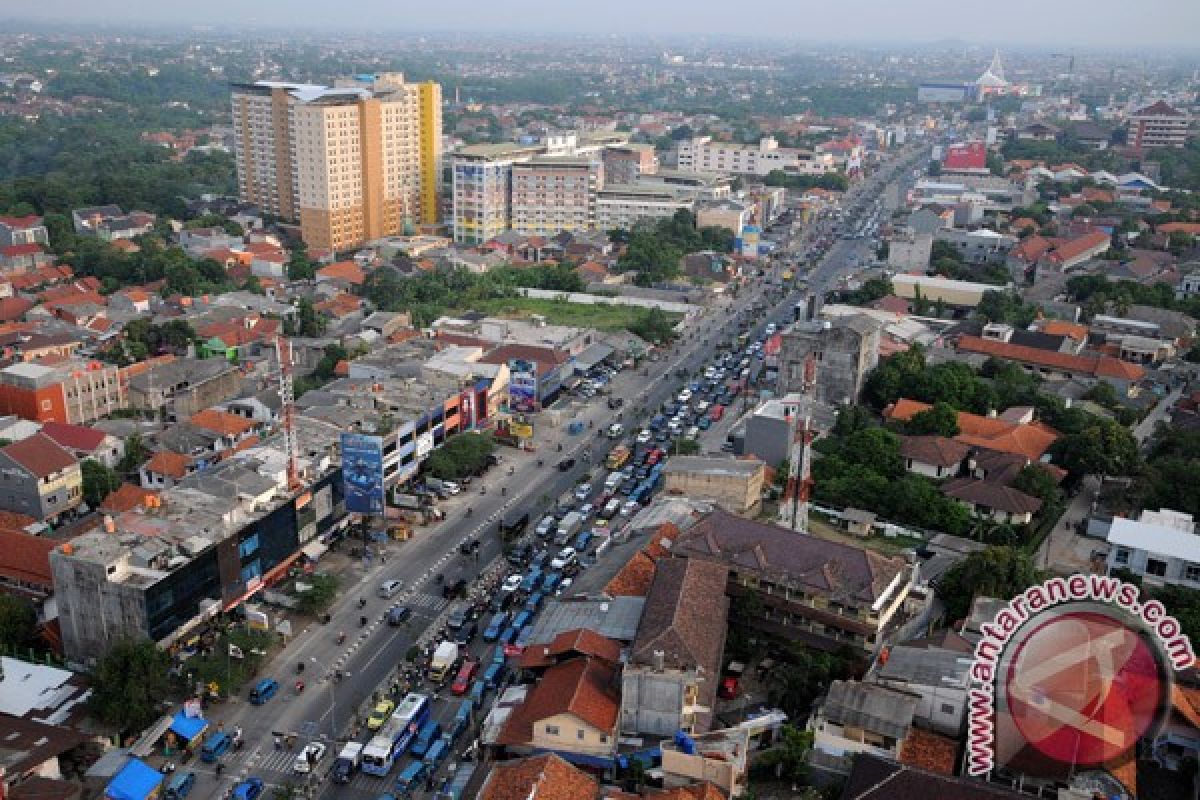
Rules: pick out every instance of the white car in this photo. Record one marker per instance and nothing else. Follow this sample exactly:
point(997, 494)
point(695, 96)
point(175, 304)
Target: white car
point(564, 586)
point(583, 491)
point(644, 437)
point(564, 557)
point(586, 510)
point(512, 583)
point(684, 396)
point(630, 508)
point(451, 487)
point(308, 758)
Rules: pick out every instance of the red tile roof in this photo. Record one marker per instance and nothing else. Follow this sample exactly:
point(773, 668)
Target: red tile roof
point(25, 558)
point(1158, 109)
point(1030, 440)
point(39, 454)
point(1097, 365)
point(1031, 248)
point(934, 450)
point(1057, 327)
point(546, 358)
point(1073, 248)
point(126, 498)
point(580, 641)
point(660, 542)
point(21, 223)
point(967, 155)
point(221, 422)
point(1180, 227)
point(13, 308)
point(347, 271)
point(74, 437)
point(929, 751)
point(173, 465)
point(22, 249)
point(633, 579)
point(544, 777)
point(581, 687)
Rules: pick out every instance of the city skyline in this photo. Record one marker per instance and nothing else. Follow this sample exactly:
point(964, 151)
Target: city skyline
point(923, 21)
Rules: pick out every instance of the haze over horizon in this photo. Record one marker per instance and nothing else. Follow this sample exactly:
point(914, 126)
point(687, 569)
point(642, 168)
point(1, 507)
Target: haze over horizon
point(1157, 24)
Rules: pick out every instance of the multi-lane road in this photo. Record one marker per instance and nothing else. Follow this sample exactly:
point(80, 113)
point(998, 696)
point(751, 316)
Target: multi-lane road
point(370, 655)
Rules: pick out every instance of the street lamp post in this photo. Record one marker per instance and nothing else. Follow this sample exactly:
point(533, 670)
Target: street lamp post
point(332, 701)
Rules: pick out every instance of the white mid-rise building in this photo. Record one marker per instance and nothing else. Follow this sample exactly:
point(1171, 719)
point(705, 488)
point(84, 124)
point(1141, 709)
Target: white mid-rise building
point(702, 154)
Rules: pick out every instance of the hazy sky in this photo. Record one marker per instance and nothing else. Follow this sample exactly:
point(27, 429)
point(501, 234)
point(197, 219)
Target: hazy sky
point(1059, 23)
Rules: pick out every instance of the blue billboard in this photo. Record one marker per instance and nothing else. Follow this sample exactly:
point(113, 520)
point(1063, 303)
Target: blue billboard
point(362, 473)
point(522, 385)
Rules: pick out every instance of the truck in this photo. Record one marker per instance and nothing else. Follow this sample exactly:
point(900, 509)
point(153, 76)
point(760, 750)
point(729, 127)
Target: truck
point(443, 661)
point(348, 762)
point(618, 457)
point(570, 525)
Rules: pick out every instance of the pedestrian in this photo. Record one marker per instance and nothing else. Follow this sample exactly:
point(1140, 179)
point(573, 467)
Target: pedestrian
point(278, 743)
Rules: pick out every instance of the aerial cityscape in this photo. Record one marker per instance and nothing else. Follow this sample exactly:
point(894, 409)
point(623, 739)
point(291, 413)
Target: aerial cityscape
point(655, 402)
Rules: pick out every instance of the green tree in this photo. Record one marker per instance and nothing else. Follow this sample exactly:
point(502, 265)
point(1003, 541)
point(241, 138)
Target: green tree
point(653, 325)
point(995, 572)
point(788, 758)
point(463, 455)
point(1006, 306)
point(18, 623)
point(306, 321)
point(1102, 447)
point(299, 266)
point(135, 454)
point(322, 591)
point(1036, 481)
point(98, 482)
point(940, 420)
point(130, 685)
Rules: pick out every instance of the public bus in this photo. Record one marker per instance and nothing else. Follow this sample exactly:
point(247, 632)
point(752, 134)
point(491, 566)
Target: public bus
point(397, 733)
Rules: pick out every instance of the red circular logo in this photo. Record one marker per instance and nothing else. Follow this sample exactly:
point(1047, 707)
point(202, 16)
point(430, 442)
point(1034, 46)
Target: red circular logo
point(1082, 687)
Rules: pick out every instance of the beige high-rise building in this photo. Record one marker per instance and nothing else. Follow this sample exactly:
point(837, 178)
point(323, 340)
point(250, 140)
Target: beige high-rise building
point(354, 162)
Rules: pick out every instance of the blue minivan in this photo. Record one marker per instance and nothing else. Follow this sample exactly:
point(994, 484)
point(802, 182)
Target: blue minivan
point(263, 691)
point(478, 692)
point(522, 620)
point(180, 786)
point(215, 746)
point(462, 719)
point(535, 601)
point(495, 626)
point(582, 541)
point(410, 777)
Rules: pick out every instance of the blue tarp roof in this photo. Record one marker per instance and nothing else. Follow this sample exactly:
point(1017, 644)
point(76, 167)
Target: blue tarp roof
point(136, 781)
point(188, 727)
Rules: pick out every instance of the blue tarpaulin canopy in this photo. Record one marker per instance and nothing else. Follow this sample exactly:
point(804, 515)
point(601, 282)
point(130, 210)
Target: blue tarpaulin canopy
point(136, 781)
point(188, 727)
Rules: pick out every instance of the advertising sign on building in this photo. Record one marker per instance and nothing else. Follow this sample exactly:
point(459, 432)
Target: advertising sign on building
point(424, 445)
point(522, 385)
point(362, 473)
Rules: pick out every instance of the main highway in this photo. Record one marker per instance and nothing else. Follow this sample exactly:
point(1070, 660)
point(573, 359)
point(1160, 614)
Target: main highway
point(368, 659)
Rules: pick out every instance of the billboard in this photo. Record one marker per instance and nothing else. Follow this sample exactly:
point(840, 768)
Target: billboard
point(362, 473)
point(522, 385)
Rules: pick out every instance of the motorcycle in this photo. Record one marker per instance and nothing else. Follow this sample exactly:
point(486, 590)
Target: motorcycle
point(299, 667)
point(299, 687)
point(362, 602)
point(362, 622)
point(341, 638)
point(483, 490)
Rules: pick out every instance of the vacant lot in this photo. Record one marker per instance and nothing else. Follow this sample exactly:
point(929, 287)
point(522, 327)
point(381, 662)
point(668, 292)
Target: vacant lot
point(602, 316)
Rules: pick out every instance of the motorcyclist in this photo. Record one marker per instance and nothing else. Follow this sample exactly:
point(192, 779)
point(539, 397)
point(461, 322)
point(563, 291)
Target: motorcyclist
point(341, 637)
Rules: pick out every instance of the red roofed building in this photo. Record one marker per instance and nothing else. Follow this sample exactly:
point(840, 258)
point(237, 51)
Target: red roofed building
point(573, 709)
point(1080, 249)
point(965, 157)
point(1115, 371)
point(165, 469)
point(42, 479)
point(1192, 228)
point(24, 559)
point(542, 777)
point(568, 645)
point(84, 442)
point(342, 273)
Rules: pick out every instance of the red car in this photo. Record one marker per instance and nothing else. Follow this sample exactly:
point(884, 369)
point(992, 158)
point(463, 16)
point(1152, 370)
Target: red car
point(653, 457)
point(729, 687)
point(462, 681)
point(716, 412)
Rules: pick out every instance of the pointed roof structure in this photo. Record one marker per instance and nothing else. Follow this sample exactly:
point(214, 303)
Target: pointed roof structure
point(994, 74)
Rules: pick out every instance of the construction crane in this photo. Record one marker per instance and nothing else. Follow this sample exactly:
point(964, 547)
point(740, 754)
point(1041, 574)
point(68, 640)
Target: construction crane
point(287, 412)
point(793, 508)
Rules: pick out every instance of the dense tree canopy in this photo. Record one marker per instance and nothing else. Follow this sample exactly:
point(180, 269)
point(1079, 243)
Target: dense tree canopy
point(130, 685)
point(995, 572)
point(655, 250)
